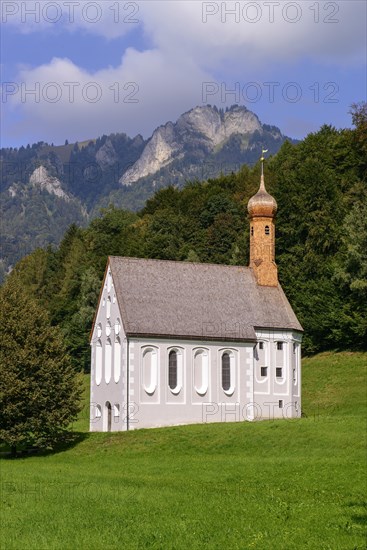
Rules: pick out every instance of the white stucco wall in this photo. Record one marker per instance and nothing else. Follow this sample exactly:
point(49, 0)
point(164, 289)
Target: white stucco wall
point(194, 402)
point(278, 396)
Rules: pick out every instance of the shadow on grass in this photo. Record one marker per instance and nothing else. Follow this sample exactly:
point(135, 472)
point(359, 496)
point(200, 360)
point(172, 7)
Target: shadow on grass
point(361, 519)
point(69, 441)
point(358, 516)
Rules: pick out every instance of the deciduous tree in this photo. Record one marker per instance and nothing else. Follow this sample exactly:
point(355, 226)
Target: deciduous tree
point(39, 390)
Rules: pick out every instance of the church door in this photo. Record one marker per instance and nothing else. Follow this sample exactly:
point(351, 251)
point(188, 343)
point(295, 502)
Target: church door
point(107, 417)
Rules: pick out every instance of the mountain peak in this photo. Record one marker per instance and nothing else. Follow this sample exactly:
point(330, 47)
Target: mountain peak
point(41, 178)
point(203, 127)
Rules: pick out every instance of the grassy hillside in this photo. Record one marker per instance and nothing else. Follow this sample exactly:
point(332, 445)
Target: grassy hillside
point(275, 484)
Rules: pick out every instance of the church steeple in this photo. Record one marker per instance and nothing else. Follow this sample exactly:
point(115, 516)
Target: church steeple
point(262, 208)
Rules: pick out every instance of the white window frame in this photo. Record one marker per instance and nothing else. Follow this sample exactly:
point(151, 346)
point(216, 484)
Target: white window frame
point(109, 281)
point(116, 411)
point(295, 356)
point(97, 412)
point(232, 371)
point(98, 362)
point(108, 361)
point(151, 388)
point(117, 359)
point(204, 370)
point(117, 326)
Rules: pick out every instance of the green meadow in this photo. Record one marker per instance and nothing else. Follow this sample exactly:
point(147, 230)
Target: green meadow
point(264, 485)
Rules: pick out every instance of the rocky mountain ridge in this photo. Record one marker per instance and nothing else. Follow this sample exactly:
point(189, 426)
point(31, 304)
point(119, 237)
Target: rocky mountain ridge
point(205, 127)
point(44, 188)
point(40, 177)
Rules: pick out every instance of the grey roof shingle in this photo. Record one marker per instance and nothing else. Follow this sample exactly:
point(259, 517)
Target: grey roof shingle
point(191, 300)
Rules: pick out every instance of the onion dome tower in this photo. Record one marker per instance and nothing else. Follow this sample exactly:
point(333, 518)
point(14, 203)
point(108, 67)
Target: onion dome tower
point(262, 208)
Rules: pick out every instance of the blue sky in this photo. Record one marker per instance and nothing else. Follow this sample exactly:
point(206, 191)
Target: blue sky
point(113, 66)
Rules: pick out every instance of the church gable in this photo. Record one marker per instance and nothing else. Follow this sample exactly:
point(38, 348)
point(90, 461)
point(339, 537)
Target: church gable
point(108, 347)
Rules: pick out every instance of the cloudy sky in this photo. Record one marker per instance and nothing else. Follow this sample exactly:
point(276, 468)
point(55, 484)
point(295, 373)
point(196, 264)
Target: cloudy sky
point(79, 69)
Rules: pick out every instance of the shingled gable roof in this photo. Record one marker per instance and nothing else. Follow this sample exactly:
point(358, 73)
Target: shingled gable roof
point(160, 298)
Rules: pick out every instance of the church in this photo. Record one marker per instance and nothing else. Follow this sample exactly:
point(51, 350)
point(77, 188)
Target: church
point(184, 343)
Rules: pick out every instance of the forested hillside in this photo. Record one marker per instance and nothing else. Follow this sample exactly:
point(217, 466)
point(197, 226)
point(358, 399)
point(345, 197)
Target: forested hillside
point(44, 188)
point(321, 242)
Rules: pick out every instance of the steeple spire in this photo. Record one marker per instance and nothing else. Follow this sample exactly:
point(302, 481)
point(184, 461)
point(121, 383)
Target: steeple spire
point(262, 204)
point(262, 208)
point(262, 182)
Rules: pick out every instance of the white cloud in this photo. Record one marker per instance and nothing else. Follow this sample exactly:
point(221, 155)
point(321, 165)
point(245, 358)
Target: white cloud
point(191, 42)
point(104, 18)
point(60, 100)
point(286, 30)
point(212, 30)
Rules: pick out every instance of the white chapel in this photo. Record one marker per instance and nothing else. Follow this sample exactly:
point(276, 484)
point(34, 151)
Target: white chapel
point(182, 343)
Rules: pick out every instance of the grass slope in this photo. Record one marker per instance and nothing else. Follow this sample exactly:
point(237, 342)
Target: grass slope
point(275, 484)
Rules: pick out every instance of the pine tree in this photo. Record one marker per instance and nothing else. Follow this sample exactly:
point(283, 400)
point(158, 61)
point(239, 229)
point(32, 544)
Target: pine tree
point(39, 391)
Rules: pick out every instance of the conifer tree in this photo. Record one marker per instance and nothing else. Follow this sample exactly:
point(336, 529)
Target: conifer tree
point(39, 390)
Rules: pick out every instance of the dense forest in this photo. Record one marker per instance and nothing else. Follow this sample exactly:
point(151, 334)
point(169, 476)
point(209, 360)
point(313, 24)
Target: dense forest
point(321, 239)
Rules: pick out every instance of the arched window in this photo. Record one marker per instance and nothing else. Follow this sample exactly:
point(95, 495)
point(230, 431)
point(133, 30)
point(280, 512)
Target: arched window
point(108, 313)
point(172, 369)
point(117, 359)
point(295, 362)
point(98, 362)
point(150, 370)
point(226, 372)
point(267, 230)
point(116, 411)
point(96, 413)
point(201, 371)
point(109, 281)
point(108, 328)
point(175, 370)
point(99, 330)
point(117, 326)
point(108, 361)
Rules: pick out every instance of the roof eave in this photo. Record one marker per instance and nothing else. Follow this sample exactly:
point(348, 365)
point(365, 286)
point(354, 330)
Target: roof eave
point(99, 300)
point(279, 328)
point(201, 337)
